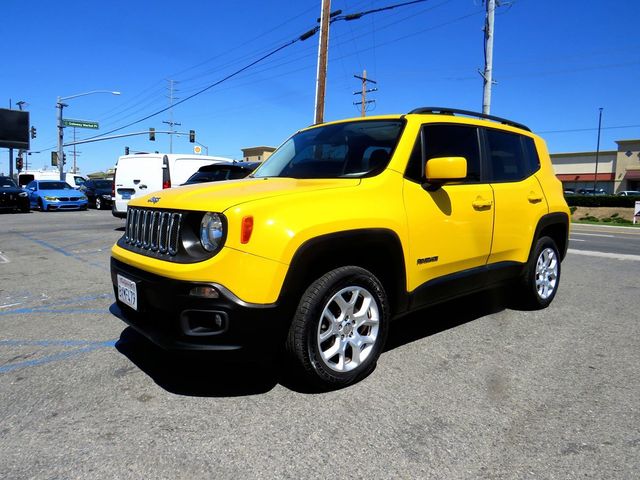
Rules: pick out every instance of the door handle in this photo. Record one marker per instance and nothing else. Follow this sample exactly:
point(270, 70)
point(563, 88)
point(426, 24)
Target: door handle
point(141, 187)
point(534, 197)
point(481, 204)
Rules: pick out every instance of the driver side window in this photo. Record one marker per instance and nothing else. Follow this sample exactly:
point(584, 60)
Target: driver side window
point(446, 141)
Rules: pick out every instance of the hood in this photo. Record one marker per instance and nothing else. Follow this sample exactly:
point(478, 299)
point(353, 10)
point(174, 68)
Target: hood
point(61, 193)
point(220, 196)
point(12, 190)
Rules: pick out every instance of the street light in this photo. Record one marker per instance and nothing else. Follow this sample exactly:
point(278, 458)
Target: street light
point(60, 106)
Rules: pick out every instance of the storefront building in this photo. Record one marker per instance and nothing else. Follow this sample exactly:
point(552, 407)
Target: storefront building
point(617, 170)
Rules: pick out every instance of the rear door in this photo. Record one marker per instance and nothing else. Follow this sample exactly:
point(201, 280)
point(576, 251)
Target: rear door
point(136, 176)
point(512, 161)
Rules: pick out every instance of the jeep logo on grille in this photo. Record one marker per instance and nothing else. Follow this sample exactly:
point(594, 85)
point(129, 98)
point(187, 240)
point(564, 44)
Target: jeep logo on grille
point(154, 200)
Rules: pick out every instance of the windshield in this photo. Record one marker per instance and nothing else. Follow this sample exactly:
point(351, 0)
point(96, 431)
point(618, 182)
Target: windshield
point(342, 150)
point(55, 186)
point(7, 183)
point(103, 184)
point(217, 174)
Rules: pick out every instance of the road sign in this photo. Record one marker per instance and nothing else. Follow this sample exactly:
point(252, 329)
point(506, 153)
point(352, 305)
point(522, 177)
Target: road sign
point(197, 149)
point(636, 212)
point(67, 122)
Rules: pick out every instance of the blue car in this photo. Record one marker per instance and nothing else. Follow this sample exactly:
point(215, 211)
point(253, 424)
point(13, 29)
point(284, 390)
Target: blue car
point(55, 195)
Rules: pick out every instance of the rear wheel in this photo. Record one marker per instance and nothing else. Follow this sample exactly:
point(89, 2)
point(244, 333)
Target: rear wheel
point(98, 203)
point(541, 278)
point(340, 327)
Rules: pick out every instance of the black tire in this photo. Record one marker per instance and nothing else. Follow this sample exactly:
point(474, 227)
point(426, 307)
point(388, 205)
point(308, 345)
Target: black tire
point(352, 286)
point(98, 203)
point(40, 205)
point(541, 277)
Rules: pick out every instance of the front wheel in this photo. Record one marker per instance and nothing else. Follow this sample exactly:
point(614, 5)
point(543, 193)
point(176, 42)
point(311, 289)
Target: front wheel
point(340, 326)
point(541, 277)
point(98, 203)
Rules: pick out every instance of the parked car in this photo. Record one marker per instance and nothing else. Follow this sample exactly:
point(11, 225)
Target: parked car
point(629, 193)
point(591, 191)
point(222, 171)
point(344, 227)
point(74, 179)
point(143, 173)
point(98, 193)
point(12, 197)
point(55, 195)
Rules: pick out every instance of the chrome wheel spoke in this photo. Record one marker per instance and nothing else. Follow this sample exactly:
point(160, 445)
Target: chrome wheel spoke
point(546, 273)
point(348, 328)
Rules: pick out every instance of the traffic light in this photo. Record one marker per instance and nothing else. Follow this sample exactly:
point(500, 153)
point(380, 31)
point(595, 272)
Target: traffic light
point(152, 134)
point(19, 163)
point(33, 132)
point(54, 159)
point(126, 150)
point(192, 136)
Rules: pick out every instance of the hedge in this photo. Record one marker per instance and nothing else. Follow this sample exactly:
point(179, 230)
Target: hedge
point(601, 201)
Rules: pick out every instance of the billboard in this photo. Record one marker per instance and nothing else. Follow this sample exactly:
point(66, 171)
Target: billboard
point(14, 129)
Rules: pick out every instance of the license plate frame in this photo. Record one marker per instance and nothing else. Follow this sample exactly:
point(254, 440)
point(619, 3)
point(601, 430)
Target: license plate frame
point(127, 292)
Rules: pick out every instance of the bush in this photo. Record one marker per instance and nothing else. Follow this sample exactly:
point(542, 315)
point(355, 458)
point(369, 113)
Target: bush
point(601, 201)
point(573, 210)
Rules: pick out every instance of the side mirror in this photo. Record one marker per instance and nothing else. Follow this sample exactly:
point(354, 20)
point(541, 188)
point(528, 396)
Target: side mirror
point(445, 169)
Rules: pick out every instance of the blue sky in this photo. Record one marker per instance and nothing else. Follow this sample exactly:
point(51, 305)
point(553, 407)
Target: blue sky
point(555, 63)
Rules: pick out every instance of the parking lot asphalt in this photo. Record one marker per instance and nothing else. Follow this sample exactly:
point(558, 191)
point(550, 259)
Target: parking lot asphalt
point(468, 389)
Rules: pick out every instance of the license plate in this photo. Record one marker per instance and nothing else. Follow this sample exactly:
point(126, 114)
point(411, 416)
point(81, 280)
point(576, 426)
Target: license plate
point(127, 292)
point(126, 196)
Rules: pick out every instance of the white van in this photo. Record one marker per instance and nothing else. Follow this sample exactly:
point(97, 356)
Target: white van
point(74, 179)
point(143, 173)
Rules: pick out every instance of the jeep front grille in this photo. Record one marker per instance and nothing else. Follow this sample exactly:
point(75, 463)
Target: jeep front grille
point(153, 230)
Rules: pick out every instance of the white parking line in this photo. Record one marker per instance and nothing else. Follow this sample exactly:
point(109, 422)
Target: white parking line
point(615, 256)
point(3, 259)
point(576, 240)
point(593, 234)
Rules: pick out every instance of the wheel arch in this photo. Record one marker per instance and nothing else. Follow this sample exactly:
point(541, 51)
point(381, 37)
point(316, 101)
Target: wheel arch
point(376, 250)
point(555, 226)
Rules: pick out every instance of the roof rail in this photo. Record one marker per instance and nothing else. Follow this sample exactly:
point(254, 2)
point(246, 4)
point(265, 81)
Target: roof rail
point(451, 111)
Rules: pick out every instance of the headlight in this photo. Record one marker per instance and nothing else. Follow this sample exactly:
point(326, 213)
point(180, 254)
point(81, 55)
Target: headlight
point(22, 194)
point(108, 197)
point(51, 199)
point(211, 231)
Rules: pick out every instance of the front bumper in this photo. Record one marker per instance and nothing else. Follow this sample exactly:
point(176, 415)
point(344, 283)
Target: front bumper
point(65, 205)
point(14, 202)
point(171, 318)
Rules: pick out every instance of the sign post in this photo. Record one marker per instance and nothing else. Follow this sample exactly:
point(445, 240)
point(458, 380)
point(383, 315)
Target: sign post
point(636, 212)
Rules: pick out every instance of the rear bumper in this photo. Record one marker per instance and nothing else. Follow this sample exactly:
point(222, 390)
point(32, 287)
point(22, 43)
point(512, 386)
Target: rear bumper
point(173, 319)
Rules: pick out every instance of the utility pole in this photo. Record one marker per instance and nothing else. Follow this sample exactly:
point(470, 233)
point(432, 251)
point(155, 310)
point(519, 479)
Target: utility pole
point(321, 74)
point(171, 123)
point(75, 152)
point(487, 75)
point(363, 93)
point(595, 179)
point(10, 152)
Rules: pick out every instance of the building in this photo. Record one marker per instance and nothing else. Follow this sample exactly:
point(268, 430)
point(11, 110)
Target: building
point(617, 170)
point(257, 154)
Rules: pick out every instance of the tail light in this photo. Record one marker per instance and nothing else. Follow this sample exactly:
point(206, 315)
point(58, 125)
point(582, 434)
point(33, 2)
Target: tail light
point(166, 179)
point(113, 184)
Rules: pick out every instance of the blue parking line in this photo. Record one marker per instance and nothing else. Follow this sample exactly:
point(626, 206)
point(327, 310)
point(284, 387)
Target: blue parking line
point(51, 307)
point(22, 311)
point(56, 357)
point(48, 343)
point(62, 251)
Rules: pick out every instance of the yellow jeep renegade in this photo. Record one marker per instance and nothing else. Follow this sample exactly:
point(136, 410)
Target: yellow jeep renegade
point(346, 226)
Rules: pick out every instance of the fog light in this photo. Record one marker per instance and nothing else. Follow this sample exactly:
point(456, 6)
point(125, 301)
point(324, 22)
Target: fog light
point(204, 291)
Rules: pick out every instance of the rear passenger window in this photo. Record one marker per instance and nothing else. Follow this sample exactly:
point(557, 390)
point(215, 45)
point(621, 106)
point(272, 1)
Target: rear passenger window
point(512, 157)
point(447, 141)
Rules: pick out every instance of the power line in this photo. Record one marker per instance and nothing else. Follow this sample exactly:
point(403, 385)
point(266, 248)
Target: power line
point(589, 129)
